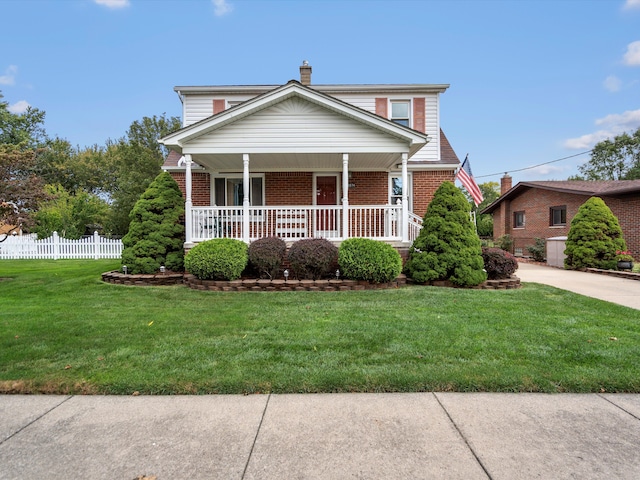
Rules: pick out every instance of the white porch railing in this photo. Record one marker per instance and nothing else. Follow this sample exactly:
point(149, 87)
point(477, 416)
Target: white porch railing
point(380, 222)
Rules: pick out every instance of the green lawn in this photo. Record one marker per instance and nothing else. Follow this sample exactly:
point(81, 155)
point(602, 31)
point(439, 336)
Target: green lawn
point(64, 331)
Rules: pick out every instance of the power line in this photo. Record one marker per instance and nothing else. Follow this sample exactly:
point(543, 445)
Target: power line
point(535, 166)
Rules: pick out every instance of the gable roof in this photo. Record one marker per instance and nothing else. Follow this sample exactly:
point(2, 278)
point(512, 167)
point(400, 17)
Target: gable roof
point(576, 187)
point(179, 139)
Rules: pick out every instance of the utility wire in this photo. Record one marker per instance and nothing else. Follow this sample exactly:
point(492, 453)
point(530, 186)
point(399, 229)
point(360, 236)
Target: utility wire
point(535, 166)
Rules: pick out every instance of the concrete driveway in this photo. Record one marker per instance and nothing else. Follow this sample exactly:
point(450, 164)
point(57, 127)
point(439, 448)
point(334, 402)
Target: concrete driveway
point(611, 289)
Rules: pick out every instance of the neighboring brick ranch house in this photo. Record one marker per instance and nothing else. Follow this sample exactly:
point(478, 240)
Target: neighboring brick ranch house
point(301, 161)
point(545, 209)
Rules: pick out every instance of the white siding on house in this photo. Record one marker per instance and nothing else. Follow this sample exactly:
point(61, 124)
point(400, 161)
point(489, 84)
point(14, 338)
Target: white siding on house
point(199, 107)
point(295, 125)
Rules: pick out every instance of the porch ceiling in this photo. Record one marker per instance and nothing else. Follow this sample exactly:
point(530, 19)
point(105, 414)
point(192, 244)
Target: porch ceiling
point(270, 162)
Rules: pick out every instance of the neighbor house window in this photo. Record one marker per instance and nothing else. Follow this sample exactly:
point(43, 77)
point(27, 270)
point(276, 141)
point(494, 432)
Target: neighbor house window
point(558, 216)
point(395, 189)
point(518, 219)
point(229, 191)
point(400, 112)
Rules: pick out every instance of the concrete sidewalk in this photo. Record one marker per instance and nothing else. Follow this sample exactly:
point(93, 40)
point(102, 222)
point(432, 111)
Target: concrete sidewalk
point(611, 289)
point(326, 436)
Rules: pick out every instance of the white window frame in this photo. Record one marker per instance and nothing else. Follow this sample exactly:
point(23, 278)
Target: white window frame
point(236, 176)
point(391, 196)
point(409, 118)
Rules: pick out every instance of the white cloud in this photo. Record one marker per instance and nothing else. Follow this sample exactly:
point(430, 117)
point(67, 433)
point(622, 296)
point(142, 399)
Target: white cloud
point(612, 83)
point(632, 57)
point(612, 125)
point(113, 3)
point(9, 77)
point(221, 7)
point(18, 107)
point(631, 4)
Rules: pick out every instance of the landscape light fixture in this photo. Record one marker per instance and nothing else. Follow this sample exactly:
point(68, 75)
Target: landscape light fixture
point(338, 274)
point(124, 269)
point(162, 269)
point(286, 275)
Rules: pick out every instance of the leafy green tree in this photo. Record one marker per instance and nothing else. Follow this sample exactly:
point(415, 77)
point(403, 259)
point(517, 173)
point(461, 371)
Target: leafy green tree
point(594, 237)
point(24, 129)
point(156, 234)
point(137, 159)
point(447, 247)
point(20, 189)
point(490, 193)
point(71, 215)
point(614, 160)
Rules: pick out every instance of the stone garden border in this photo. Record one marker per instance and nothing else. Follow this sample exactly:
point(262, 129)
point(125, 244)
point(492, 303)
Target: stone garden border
point(257, 285)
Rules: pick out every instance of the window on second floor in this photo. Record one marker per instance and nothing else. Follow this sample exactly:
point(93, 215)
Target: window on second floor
point(401, 112)
point(518, 219)
point(558, 216)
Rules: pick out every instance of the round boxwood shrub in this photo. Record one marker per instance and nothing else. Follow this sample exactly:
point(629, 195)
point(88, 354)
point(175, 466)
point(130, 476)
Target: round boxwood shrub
point(217, 259)
point(156, 232)
point(266, 256)
point(448, 247)
point(498, 263)
point(594, 237)
point(313, 258)
point(370, 260)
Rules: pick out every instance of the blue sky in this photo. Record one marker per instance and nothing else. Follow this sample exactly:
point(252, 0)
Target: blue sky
point(531, 81)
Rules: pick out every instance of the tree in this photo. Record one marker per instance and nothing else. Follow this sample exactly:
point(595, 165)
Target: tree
point(614, 160)
point(447, 247)
point(594, 237)
point(20, 189)
point(71, 215)
point(490, 193)
point(23, 129)
point(156, 234)
point(137, 160)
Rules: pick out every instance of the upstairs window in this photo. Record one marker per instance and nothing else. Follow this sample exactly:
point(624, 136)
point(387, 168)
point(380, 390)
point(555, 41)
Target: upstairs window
point(518, 219)
point(400, 112)
point(558, 216)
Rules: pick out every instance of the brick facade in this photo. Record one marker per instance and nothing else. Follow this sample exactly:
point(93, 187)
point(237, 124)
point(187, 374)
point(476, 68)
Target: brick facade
point(425, 184)
point(200, 187)
point(536, 204)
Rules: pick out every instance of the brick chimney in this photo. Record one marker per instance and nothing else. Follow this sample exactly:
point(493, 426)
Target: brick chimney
point(505, 183)
point(305, 73)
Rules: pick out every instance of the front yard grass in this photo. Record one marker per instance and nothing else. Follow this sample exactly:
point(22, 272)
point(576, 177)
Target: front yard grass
point(62, 330)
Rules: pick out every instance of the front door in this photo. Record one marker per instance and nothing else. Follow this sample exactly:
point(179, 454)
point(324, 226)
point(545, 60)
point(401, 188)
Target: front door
point(326, 194)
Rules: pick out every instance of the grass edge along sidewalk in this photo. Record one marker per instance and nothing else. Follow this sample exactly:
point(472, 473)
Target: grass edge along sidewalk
point(64, 331)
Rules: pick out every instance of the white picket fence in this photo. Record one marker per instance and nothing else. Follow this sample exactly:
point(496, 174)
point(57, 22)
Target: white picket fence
point(56, 247)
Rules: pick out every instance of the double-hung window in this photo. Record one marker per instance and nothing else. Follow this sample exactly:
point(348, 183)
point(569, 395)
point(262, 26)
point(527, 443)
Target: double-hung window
point(518, 219)
point(395, 189)
point(401, 112)
point(558, 216)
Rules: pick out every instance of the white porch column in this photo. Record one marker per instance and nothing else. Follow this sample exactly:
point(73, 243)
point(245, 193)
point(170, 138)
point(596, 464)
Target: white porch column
point(405, 198)
point(345, 196)
point(245, 201)
point(188, 204)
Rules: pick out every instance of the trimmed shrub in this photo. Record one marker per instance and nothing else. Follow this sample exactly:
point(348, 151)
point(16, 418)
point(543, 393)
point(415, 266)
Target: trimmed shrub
point(594, 237)
point(538, 250)
point(266, 256)
point(498, 263)
point(448, 247)
point(156, 232)
point(313, 258)
point(505, 242)
point(370, 260)
point(217, 259)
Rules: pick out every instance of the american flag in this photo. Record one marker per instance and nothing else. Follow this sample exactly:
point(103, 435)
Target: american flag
point(466, 178)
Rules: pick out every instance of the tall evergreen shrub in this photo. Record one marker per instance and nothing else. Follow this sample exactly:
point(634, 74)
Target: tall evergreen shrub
point(594, 237)
point(156, 234)
point(448, 247)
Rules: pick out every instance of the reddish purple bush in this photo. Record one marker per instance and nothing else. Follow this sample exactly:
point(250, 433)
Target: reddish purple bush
point(498, 264)
point(313, 258)
point(266, 256)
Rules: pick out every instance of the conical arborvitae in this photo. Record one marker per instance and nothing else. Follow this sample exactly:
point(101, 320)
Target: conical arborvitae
point(156, 234)
point(448, 247)
point(594, 237)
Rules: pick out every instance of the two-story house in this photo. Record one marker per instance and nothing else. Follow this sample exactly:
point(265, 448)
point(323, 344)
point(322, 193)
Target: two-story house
point(302, 161)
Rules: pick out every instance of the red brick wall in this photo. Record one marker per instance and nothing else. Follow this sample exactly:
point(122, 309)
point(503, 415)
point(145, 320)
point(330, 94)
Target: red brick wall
point(419, 114)
point(536, 203)
point(200, 187)
point(288, 188)
point(425, 184)
point(219, 106)
point(369, 188)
